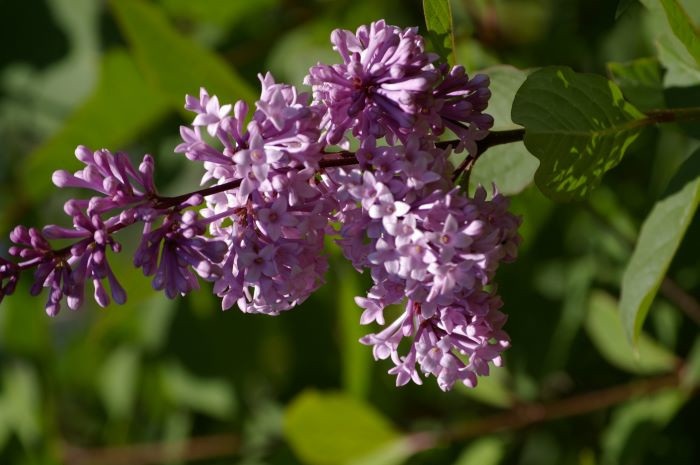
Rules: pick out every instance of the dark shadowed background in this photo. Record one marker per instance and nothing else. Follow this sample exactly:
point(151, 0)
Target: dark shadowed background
point(159, 381)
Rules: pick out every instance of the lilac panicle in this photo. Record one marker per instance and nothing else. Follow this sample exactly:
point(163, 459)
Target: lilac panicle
point(436, 249)
point(275, 188)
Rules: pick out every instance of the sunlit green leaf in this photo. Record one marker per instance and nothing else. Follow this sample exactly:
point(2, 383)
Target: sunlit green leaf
point(659, 238)
point(490, 450)
point(170, 61)
point(438, 20)
point(332, 428)
point(683, 27)
point(397, 451)
point(605, 330)
point(578, 125)
point(509, 166)
point(122, 106)
point(681, 68)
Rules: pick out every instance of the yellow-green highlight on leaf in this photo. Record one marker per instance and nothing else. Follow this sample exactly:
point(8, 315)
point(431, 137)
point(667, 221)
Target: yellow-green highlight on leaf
point(172, 62)
point(121, 107)
point(438, 21)
point(578, 125)
point(640, 82)
point(335, 428)
point(683, 27)
point(604, 327)
point(659, 239)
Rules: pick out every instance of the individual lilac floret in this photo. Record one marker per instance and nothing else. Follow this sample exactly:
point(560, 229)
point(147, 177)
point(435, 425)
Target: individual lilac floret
point(176, 249)
point(377, 89)
point(112, 176)
point(457, 103)
point(9, 274)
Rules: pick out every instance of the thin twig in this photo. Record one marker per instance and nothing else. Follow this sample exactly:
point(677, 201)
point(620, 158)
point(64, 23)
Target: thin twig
point(198, 448)
point(686, 302)
point(529, 414)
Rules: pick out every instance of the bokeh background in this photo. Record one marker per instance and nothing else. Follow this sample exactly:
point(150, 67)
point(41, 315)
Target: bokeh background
point(159, 381)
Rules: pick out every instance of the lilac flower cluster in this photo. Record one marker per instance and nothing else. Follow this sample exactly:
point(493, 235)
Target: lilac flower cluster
point(433, 247)
point(387, 87)
point(274, 187)
point(274, 224)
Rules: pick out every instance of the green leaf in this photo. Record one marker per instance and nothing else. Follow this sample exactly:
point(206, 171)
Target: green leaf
point(659, 238)
point(578, 125)
point(683, 27)
point(438, 20)
point(356, 358)
point(490, 450)
point(681, 68)
point(397, 451)
point(334, 428)
point(213, 397)
point(634, 426)
point(604, 327)
point(509, 166)
point(623, 6)
point(121, 107)
point(640, 82)
point(117, 381)
point(22, 403)
point(173, 63)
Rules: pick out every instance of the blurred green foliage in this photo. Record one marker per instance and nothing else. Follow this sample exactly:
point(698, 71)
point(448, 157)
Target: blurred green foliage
point(86, 387)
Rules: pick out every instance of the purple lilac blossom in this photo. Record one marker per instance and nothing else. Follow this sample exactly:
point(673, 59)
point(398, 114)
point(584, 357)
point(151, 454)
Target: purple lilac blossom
point(433, 248)
point(8, 278)
point(375, 91)
point(387, 86)
point(274, 224)
point(257, 230)
point(176, 249)
point(117, 182)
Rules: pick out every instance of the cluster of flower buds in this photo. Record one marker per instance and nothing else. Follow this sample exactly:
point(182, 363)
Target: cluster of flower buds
point(280, 178)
